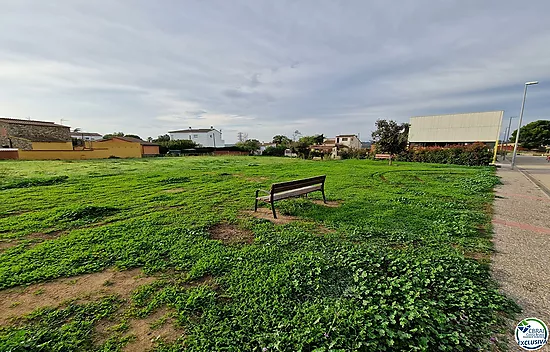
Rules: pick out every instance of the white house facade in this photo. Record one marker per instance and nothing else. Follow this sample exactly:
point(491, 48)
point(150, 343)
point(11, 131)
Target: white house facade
point(86, 136)
point(206, 137)
point(349, 140)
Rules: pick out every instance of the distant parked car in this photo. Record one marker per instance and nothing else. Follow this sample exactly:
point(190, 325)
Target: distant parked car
point(174, 153)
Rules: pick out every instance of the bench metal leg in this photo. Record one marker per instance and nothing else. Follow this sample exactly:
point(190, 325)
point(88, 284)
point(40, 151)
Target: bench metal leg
point(273, 210)
point(256, 203)
point(324, 198)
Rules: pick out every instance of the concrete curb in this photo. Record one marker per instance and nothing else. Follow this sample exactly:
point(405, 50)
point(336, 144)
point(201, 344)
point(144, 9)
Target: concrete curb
point(537, 183)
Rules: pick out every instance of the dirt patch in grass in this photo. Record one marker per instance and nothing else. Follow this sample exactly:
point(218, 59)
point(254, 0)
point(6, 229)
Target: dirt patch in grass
point(322, 230)
point(383, 178)
point(418, 179)
point(252, 178)
point(329, 203)
point(174, 190)
point(5, 244)
point(266, 214)
point(147, 331)
point(35, 238)
point(43, 236)
point(256, 178)
point(19, 301)
point(231, 234)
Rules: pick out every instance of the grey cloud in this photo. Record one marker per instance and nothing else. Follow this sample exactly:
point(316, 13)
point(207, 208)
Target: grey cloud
point(319, 66)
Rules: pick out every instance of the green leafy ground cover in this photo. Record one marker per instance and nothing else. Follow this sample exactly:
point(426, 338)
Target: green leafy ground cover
point(396, 267)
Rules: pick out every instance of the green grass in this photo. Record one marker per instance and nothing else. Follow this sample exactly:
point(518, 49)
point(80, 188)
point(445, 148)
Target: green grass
point(392, 272)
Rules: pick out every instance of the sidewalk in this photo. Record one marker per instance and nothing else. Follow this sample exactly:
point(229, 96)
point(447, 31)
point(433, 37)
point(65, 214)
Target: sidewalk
point(521, 262)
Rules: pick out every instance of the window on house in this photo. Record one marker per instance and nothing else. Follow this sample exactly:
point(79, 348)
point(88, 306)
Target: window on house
point(344, 139)
point(195, 136)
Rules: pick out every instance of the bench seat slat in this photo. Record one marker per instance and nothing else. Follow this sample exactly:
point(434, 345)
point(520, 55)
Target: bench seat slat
point(290, 185)
point(291, 193)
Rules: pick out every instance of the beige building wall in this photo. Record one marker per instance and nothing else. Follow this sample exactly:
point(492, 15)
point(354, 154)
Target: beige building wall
point(52, 146)
point(456, 128)
point(120, 148)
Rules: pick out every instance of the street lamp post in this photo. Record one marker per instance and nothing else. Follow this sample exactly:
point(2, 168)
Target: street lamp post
point(520, 119)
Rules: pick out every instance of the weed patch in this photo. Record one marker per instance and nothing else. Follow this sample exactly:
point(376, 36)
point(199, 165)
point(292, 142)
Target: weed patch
point(175, 180)
point(33, 182)
point(88, 213)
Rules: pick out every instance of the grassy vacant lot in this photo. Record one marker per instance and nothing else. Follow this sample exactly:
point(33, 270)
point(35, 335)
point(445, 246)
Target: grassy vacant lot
point(161, 253)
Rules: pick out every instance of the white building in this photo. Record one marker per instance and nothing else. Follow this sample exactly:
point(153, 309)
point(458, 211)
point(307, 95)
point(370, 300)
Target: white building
point(264, 146)
point(349, 140)
point(206, 137)
point(86, 136)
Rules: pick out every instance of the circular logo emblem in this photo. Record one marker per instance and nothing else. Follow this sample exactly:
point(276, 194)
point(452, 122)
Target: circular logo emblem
point(531, 334)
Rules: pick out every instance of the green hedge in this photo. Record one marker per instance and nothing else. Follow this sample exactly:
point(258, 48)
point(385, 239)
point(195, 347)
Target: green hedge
point(477, 154)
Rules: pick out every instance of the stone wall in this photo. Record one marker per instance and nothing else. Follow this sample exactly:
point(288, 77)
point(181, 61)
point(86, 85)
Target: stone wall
point(12, 130)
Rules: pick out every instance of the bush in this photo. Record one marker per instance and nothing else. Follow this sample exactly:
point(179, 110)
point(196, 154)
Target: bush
point(275, 151)
point(476, 154)
point(354, 153)
point(181, 145)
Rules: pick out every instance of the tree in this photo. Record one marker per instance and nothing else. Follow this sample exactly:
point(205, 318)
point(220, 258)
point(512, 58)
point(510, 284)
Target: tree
point(302, 147)
point(182, 144)
point(114, 134)
point(133, 136)
point(390, 137)
point(250, 145)
point(534, 135)
point(281, 140)
point(295, 135)
point(275, 151)
point(163, 138)
point(319, 138)
point(78, 142)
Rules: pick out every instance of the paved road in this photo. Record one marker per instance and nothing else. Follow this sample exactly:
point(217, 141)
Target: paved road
point(537, 169)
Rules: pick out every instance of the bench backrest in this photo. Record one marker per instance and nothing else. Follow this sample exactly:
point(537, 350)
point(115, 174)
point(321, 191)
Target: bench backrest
point(290, 185)
point(382, 156)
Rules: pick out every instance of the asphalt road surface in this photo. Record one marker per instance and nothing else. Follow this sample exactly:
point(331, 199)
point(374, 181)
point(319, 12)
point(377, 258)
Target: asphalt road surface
point(537, 169)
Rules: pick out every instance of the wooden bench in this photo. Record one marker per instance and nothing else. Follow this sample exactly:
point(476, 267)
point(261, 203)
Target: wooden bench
point(383, 156)
point(284, 190)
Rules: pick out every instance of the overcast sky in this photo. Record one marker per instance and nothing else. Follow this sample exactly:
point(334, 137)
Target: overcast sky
point(269, 67)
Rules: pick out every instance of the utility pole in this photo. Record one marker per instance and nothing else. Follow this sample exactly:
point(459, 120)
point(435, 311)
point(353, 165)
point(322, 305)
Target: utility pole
point(507, 134)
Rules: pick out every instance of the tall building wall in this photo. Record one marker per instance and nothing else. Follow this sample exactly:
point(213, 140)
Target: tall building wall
point(456, 128)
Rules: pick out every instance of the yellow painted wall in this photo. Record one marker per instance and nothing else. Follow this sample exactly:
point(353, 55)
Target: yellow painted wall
point(52, 146)
point(119, 148)
point(64, 154)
